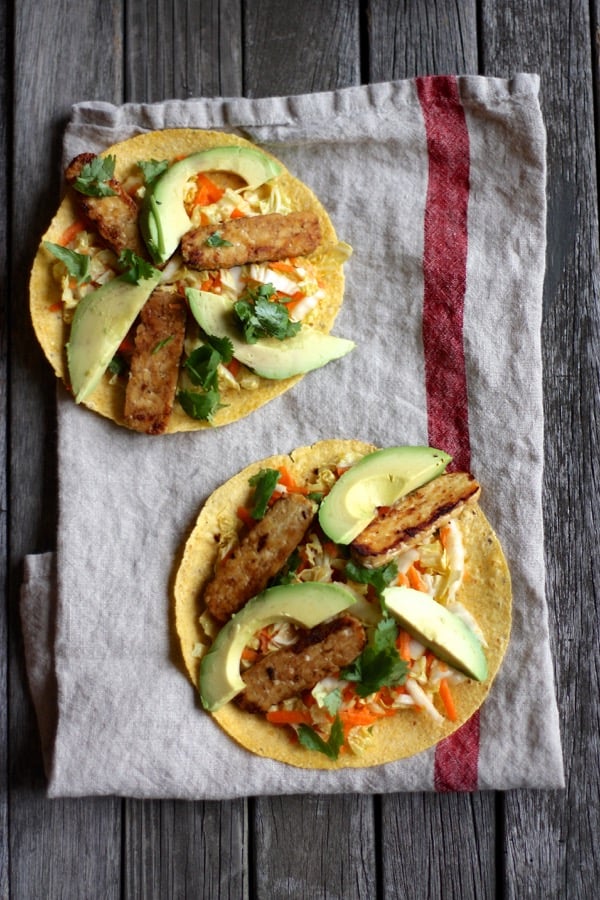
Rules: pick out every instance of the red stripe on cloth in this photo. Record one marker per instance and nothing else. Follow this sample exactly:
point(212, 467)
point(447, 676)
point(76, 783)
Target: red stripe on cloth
point(445, 276)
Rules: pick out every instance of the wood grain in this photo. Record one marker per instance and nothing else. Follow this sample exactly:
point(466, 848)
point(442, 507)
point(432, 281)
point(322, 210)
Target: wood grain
point(521, 844)
point(552, 838)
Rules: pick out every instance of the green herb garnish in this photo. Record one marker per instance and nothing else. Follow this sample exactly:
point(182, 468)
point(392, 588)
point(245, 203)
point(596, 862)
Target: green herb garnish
point(152, 169)
point(380, 664)
point(309, 738)
point(135, 269)
point(264, 483)
point(379, 578)
point(77, 264)
point(93, 180)
point(215, 240)
point(261, 317)
point(162, 344)
point(200, 405)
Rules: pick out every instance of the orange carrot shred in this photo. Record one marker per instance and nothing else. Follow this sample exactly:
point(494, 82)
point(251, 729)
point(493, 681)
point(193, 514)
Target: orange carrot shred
point(447, 699)
point(71, 232)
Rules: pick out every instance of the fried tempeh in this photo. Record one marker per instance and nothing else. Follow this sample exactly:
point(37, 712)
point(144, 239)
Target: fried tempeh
point(251, 239)
point(414, 518)
point(261, 554)
point(115, 217)
point(317, 653)
point(159, 337)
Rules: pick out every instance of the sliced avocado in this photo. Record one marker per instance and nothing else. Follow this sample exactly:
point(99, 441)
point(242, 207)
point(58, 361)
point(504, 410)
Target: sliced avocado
point(443, 632)
point(307, 604)
point(378, 479)
point(101, 321)
point(268, 357)
point(163, 219)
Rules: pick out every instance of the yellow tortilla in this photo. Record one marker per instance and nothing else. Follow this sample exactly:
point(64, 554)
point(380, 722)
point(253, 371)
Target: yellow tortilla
point(486, 591)
point(45, 294)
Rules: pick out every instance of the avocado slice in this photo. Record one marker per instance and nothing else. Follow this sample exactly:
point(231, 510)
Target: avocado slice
point(307, 604)
point(101, 321)
point(268, 357)
point(378, 479)
point(163, 219)
point(443, 632)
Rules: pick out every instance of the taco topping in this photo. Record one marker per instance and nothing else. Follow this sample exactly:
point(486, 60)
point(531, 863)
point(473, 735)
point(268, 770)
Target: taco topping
point(154, 369)
point(403, 644)
point(251, 239)
point(228, 223)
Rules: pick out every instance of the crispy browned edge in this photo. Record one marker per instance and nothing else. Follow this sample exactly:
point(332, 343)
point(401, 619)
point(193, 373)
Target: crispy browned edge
point(44, 293)
point(487, 591)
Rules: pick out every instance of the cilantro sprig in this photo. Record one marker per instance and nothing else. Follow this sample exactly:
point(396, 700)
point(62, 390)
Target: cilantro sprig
point(260, 316)
point(379, 577)
point(379, 665)
point(202, 367)
point(77, 264)
point(309, 738)
point(264, 483)
point(152, 169)
point(215, 240)
point(133, 268)
point(94, 178)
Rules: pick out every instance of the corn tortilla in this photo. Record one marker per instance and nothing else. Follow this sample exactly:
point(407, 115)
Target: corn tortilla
point(45, 294)
point(487, 589)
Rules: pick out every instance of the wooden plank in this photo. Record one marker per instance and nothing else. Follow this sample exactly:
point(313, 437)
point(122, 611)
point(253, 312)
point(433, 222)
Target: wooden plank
point(552, 837)
point(177, 849)
point(307, 846)
point(406, 40)
point(174, 849)
point(181, 50)
point(71, 843)
point(4, 107)
point(293, 48)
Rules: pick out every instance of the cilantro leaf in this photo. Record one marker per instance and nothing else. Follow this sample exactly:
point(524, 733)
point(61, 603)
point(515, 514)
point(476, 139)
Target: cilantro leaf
point(78, 264)
point(380, 663)
point(264, 484)
point(94, 177)
point(215, 240)
point(162, 344)
point(202, 366)
point(309, 738)
point(288, 572)
point(379, 578)
point(223, 346)
point(262, 317)
point(152, 168)
point(135, 268)
point(199, 405)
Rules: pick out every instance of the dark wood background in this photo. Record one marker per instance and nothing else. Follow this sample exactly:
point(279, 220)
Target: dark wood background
point(517, 844)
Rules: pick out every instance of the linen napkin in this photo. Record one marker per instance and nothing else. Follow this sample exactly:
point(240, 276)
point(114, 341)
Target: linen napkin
point(439, 185)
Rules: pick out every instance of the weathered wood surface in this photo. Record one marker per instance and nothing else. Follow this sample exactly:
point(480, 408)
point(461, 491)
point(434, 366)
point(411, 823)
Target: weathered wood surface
point(518, 844)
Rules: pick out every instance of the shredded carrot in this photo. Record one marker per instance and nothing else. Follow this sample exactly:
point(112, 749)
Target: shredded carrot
point(403, 645)
point(207, 192)
point(331, 549)
point(55, 307)
point(444, 535)
point(402, 579)
point(244, 515)
point(212, 284)
point(447, 699)
point(71, 232)
point(233, 366)
point(351, 718)
point(237, 214)
point(204, 220)
point(288, 481)
point(415, 579)
point(289, 717)
point(282, 266)
point(127, 345)
point(249, 654)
